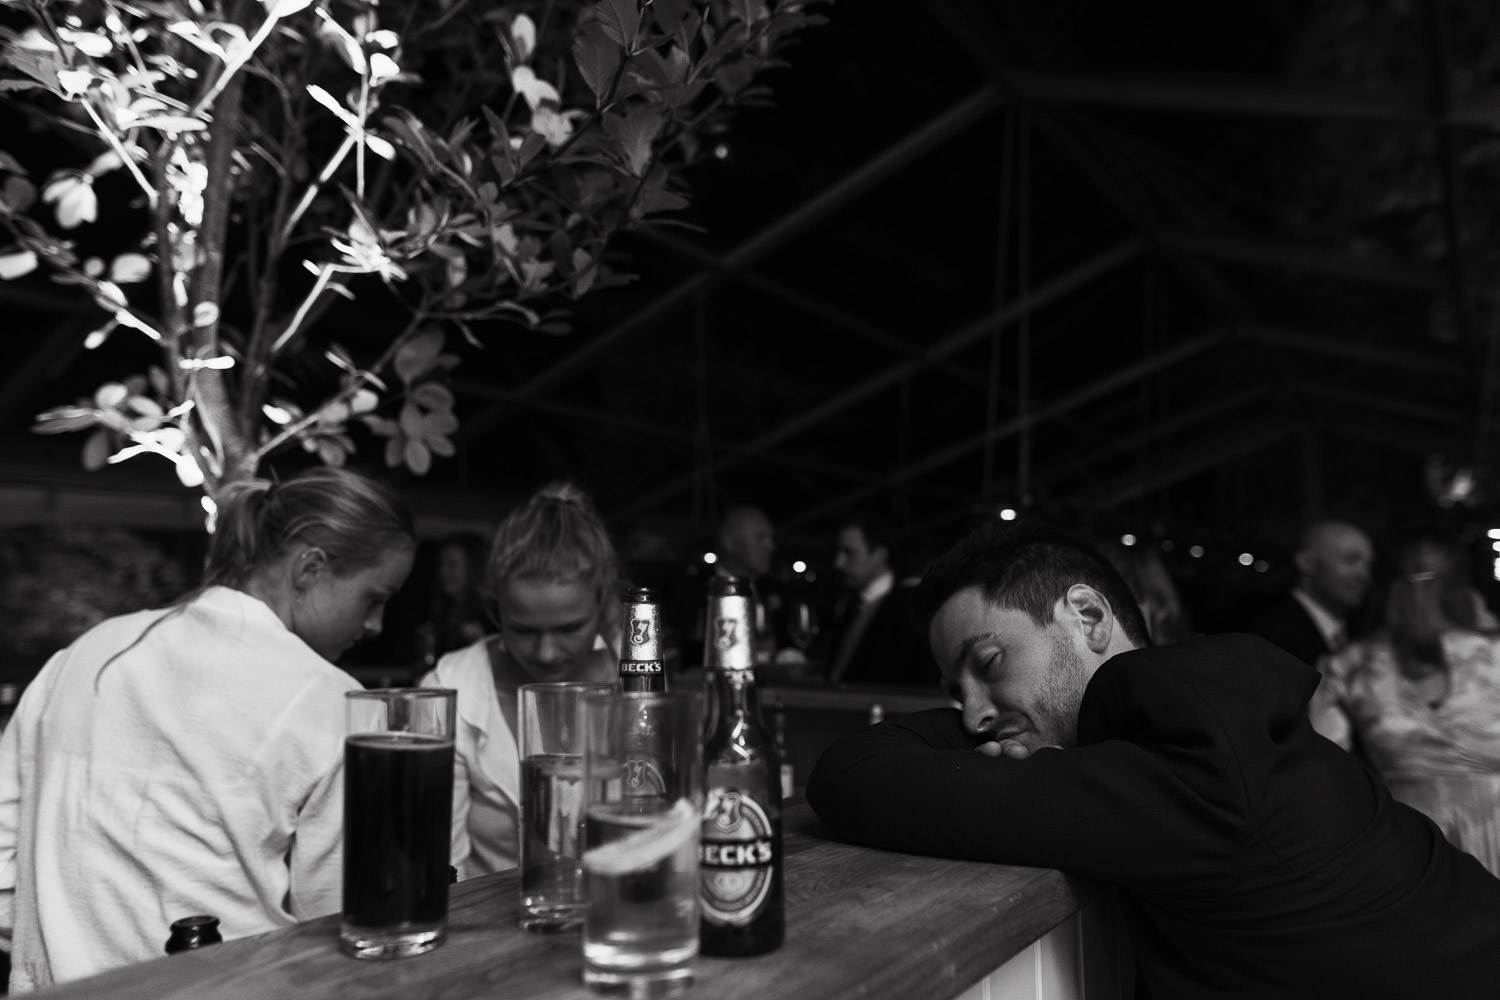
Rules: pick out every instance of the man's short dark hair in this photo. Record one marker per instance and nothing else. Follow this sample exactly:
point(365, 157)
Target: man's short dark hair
point(878, 532)
point(1028, 565)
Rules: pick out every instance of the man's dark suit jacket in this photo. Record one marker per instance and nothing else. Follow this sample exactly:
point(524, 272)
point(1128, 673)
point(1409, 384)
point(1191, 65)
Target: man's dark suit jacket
point(893, 647)
point(1287, 624)
point(1257, 858)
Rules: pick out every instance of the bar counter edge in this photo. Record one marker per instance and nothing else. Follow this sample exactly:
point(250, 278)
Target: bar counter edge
point(860, 923)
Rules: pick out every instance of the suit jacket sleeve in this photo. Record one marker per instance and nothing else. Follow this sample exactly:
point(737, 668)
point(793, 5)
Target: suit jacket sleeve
point(1163, 795)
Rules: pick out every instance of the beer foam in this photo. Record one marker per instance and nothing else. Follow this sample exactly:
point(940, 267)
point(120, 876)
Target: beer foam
point(648, 845)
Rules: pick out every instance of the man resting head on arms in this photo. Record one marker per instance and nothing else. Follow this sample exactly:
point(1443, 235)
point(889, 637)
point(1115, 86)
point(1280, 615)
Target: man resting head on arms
point(1255, 857)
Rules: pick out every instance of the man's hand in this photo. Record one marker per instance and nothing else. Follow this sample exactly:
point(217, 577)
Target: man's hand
point(1004, 748)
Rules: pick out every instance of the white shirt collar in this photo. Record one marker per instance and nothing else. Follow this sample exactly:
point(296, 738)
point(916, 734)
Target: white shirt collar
point(878, 587)
point(1330, 625)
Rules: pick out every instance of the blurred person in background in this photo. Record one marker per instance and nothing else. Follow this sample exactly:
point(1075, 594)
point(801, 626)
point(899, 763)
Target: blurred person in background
point(747, 543)
point(190, 759)
point(1151, 585)
point(877, 638)
point(552, 583)
point(1334, 561)
point(455, 616)
point(1420, 697)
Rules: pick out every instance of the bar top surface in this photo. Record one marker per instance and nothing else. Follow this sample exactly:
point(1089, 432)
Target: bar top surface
point(860, 922)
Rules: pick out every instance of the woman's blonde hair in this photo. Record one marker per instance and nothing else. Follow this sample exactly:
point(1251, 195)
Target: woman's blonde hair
point(556, 535)
point(354, 520)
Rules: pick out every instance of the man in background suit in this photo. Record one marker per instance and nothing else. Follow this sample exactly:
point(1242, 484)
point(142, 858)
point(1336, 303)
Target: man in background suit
point(1333, 562)
point(878, 639)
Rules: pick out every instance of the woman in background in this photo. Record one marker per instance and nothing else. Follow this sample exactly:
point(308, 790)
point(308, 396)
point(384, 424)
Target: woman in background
point(189, 760)
point(1420, 699)
point(553, 585)
point(455, 618)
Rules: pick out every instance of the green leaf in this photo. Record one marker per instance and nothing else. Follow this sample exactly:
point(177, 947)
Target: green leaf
point(8, 162)
point(749, 11)
point(530, 146)
point(415, 357)
point(621, 20)
point(418, 457)
point(433, 395)
point(636, 131)
point(412, 420)
point(598, 59)
point(19, 194)
point(65, 418)
point(382, 426)
point(96, 450)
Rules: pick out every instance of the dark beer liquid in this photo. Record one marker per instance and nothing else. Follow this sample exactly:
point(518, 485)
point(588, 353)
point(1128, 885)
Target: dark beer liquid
point(398, 805)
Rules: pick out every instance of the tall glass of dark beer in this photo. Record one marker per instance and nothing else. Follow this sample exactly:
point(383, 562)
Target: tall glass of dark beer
point(398, 807)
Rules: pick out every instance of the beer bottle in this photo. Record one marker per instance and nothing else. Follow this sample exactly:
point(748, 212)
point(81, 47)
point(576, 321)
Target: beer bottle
point(740, 861)
point(778, 727)
point(641, 666)
point(192, 932)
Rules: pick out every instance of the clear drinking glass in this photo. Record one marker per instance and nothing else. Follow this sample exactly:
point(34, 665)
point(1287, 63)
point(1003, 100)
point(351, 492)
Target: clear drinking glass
point(643, 783)
point(398, 809)
point(551, 744)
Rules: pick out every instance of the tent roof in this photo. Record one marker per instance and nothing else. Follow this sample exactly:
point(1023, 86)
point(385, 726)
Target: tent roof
point(979, 253)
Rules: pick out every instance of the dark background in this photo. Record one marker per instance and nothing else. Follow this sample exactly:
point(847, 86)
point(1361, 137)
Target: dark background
point(1130, 265)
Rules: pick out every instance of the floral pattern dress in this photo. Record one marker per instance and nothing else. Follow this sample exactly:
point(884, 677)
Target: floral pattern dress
point(1437, 751)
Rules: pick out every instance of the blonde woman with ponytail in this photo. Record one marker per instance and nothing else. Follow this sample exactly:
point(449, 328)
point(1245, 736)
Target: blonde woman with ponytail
point(189, 759)
point(552, 586)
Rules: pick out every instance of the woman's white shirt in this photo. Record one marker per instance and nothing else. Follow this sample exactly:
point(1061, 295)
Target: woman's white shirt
point(486, 765)
point(200, 772)
point(486, 760)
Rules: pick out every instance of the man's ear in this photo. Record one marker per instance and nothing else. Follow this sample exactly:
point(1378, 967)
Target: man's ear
point(307, 566)
point(1090, 613)
point(1305, 562)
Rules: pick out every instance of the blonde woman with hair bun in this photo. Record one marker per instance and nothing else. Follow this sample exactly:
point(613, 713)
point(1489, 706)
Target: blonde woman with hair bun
point(552, 588)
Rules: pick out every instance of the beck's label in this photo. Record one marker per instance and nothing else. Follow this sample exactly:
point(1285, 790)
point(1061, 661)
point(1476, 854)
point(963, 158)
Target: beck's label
point(640, 666)
point(730, 635)
point(736, 856)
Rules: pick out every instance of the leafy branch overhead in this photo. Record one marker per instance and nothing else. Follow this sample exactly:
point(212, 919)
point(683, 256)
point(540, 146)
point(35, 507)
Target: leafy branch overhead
point(250, 164)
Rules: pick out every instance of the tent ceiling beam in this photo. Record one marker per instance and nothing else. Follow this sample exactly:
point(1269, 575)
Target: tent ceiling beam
point(1390, 106)
point(868, 175)
point(1052, 411)
point(1177, 466)
point(811, 305)
point(1006, 314)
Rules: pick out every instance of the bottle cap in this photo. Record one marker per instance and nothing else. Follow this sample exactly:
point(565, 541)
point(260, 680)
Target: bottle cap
point(721, 585)
point(193, 932)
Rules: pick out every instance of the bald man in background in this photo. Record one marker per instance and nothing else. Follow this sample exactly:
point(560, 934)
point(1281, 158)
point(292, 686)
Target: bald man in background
point(1334, 561)
point(747, 541)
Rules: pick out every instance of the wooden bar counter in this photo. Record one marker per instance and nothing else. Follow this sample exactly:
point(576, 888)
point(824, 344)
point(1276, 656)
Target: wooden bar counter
point(860, 923)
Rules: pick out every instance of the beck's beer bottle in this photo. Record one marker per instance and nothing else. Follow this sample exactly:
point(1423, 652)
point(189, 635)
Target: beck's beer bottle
point(641, 666)
point(740, 861)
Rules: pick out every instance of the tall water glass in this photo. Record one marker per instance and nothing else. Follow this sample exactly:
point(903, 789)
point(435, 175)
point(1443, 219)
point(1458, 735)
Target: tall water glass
point(643, 778)
point(398, 808)
point(551, 742)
